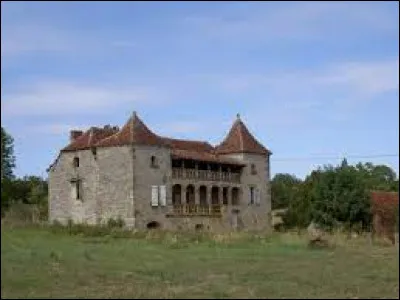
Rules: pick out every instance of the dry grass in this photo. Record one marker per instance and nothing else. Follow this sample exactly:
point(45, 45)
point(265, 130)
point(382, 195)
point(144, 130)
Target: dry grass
point(38, 262)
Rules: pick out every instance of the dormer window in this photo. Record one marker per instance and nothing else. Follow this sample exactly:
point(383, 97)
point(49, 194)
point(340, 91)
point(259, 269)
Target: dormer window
point(153, 162)
point(76, 162)
point(253, 169)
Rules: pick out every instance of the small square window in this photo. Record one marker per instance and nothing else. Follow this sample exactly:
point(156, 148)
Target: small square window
point(76, 162)
point(253, 169)
point(153, 162)
point(252, 195)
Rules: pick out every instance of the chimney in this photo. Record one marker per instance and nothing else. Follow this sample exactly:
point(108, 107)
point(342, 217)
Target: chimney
point(74, 134)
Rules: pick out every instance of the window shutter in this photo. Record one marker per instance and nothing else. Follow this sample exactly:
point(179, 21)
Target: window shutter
point(163, 195)
point(154, 195)
point(73, 190)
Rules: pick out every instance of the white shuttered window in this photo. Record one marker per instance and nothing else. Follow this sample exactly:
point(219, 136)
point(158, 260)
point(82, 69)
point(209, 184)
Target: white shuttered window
point(154, 195)
point(163, 195)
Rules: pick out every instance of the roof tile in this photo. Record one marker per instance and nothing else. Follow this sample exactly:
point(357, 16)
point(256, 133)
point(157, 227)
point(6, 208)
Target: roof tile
point(240, 140)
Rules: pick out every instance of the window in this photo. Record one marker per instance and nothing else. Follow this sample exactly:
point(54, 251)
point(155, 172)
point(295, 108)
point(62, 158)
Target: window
point(253, 169)
point(76, 162)
point(154, 196)
point(158, 195)
point(153, 162)
point(252, 195)
point(257, 197)
point(94, 152)
point(76, 189)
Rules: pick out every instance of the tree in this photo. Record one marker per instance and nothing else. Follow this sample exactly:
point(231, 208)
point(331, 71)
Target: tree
point(7, 166)
point(283, 189)
point(337, 196)
point(7, 155)
point(379, 177)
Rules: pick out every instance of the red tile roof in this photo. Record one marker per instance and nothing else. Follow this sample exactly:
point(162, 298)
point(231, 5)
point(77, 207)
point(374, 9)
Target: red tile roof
point(240, 140)
point(198, 146)
point(133, 132)
point(136, 132)
point(89, 138)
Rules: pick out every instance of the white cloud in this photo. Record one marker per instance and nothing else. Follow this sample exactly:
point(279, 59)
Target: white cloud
point(365, 79)
point(368, 78)
point(52, 98)
point(32, 38)
point(302, 20)
point(57, 129)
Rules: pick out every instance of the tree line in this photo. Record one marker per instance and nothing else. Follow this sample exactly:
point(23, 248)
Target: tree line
point(332, 196)
point(26, 190)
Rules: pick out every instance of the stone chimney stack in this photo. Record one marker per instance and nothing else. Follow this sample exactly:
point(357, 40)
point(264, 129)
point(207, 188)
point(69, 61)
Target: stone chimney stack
point(74, 134)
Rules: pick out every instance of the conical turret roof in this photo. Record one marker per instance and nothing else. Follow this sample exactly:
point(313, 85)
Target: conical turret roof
point(133, 132)
point(240, 140)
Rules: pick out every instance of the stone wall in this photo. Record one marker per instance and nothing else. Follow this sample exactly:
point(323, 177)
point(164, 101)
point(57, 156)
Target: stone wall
point(106, 186)
point(253, 216)
point(117, 183)
point(62, 202)
point(145, 176)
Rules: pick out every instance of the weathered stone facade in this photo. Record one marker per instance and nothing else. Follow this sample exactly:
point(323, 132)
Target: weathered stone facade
point(147, 180)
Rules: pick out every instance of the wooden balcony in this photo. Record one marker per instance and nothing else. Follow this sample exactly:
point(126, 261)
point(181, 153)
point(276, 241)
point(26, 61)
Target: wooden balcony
point(195, 210)
point(180, 173)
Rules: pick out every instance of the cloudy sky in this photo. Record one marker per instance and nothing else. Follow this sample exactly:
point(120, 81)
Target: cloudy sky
point(313, 81)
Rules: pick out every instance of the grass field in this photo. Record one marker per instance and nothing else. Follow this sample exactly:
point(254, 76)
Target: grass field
point(36, 262)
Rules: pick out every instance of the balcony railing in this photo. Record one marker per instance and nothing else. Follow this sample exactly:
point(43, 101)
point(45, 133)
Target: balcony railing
point(191, 210)
point(180, 173)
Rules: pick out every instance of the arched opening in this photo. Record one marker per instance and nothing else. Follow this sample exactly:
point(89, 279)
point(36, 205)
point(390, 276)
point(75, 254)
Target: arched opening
point(215, 201)
point(190, 194)
point(190, 198)
point(153, 225)
point(235, 196)
point(214, 195)
point(176, 194)
point(203, 195)
point(199, 227)
point(225, 195)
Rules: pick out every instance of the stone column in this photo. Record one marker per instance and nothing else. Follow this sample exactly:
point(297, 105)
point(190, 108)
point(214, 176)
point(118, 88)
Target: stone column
point(229, 195)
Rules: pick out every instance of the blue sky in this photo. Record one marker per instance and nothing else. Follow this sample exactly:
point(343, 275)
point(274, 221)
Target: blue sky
point(312, 81)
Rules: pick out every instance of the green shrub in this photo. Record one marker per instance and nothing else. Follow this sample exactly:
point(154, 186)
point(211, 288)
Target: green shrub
point(115, 223)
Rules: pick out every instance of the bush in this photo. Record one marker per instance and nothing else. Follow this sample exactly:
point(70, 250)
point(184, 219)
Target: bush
point(20, 213)
point(115, 223)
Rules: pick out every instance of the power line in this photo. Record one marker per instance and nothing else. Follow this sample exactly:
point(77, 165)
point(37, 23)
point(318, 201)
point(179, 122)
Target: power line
point(333, 157)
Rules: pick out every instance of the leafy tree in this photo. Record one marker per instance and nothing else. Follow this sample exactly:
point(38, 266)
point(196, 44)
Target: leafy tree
point(336, 196)
point(7, 166)
point(7, 155)
point(283, 190)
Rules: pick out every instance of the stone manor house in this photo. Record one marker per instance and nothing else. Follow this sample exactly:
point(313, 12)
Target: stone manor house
point(152, 181)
